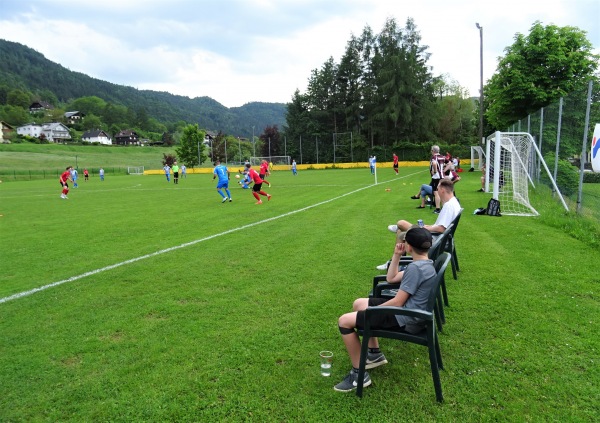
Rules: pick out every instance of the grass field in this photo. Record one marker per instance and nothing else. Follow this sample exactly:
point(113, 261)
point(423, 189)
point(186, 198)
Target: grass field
point(159, 303)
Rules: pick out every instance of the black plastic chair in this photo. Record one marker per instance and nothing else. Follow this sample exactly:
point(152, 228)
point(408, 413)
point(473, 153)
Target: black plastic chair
point(427, 337)
point(383, 289)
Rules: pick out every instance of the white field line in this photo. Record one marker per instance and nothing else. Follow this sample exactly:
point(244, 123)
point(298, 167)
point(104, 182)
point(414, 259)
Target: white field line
point(187, 244)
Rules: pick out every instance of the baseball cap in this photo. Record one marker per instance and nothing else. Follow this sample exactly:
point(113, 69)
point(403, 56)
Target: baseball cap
point(419, 238)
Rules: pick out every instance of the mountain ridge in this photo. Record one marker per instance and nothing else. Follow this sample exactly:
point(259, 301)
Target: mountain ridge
point(25, 68)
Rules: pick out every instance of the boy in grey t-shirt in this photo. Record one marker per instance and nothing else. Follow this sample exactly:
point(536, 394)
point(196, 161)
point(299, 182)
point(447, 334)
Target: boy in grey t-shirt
point(415, 285)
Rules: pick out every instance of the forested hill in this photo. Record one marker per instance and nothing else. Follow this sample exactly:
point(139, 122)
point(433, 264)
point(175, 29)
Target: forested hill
point(24, 68)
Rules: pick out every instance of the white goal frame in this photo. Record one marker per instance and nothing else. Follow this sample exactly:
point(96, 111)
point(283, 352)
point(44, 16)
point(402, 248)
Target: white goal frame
point(514, 155)
point(478, 155)
point(135, 170)
point(276, 160)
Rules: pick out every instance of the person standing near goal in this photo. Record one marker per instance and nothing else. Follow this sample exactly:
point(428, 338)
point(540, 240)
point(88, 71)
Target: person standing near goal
point(222, 173)
point(257, 188)
point(65, 177)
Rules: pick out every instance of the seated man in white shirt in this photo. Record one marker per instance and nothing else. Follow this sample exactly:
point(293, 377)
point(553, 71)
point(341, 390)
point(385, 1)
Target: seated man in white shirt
point(451, 209)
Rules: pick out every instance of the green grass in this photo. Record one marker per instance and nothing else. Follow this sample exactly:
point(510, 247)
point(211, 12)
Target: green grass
point(29, 161)
point(229, 327)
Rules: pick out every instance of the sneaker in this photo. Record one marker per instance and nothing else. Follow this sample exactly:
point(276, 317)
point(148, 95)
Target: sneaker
point(259, 202)
point(351, 381)
point(393, 228)
point(415, 197)
point(437, 211)
point(268, 197)
point(480, 190)
point(224, 199)
point(230, 199)
point(383, 266)
point(375, 360)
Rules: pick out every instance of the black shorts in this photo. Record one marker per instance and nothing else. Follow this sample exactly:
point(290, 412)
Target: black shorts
point(262, 176)
point(387, 321)
point(175, 174)
point(64, 184)
point(257, 187)
point(434, 184)
point(396, 166)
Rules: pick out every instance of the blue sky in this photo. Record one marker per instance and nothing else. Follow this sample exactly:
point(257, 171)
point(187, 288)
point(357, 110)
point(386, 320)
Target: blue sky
point(239, 51)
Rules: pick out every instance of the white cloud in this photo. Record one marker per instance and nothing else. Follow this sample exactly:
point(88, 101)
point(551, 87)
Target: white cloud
point(238, 51)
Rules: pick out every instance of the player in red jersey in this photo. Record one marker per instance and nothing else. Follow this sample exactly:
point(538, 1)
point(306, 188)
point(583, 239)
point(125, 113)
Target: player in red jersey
point(64, 178)
point(264, 171)
point(395, 163)
point(258, 181)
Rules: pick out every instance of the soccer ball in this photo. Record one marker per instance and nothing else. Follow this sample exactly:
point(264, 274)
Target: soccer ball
point(237, 176)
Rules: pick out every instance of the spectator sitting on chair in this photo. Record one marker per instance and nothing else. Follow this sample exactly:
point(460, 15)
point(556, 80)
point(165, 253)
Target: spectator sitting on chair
point(413, 293)
point(450, 209)
point(424, 192)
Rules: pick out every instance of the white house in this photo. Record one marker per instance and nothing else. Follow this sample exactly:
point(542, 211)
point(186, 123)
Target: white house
point(56, 132)
point(96, 135)
point(31, 129)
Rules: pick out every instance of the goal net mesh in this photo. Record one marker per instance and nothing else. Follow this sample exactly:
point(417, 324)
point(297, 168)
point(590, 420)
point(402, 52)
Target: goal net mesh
point(135, 170)
point(477, 157)
point(509, 166)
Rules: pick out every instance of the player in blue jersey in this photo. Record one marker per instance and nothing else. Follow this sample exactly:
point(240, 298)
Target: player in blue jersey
point(222, 173)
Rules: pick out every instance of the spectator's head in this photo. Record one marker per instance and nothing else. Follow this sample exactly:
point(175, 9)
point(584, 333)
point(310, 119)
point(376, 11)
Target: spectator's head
point(419, 239)
point(435, 149)
point(446, 190)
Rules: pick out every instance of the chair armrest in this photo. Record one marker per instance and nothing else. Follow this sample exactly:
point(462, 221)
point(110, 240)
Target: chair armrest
point(398, 311)
point(379, 288)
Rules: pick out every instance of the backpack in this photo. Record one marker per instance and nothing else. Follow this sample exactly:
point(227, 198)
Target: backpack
point(493, 208)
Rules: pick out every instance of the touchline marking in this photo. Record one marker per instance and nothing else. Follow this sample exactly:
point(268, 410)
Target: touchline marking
point(187, 244)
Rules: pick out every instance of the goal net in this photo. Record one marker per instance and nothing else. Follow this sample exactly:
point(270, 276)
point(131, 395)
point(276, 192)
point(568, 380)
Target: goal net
point(477, 157)
point(511, 160)
point(276, 160)
point(135, 170)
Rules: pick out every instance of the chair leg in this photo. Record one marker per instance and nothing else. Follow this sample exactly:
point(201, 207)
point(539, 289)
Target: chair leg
point(433, 346)
point(455, 256)
point(364, 349)
point(444, 294)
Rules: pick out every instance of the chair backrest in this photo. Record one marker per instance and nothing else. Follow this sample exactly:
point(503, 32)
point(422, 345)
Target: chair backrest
point(455, 222)
point(440, 264)
point(439, 244)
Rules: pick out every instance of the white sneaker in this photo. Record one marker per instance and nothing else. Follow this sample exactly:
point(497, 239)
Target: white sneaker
point(224, 199)
point(393, 228)
point(383, 266)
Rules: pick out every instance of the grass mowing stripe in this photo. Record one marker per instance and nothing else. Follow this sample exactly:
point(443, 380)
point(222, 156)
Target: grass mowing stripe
point(187, 244)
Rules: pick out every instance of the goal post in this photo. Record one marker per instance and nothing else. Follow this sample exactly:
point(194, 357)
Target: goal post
point(512, 158)
point(477, 157)
point(276, 160)
point(135, 170)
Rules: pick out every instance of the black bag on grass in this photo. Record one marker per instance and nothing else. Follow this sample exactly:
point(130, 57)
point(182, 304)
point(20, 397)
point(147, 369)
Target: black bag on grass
point(493, 208)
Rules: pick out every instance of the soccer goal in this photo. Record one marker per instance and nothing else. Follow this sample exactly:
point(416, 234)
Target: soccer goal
point(276, 160)
point(135, 170)
point(511, 160)
point(477, 158)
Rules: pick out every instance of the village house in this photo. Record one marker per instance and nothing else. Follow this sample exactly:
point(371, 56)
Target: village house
point(5, 129)
point(74, 117)
point(96, 135)
point(127, 137)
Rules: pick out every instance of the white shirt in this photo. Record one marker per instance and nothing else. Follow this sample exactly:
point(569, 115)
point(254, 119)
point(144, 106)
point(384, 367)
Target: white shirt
point(448, 213)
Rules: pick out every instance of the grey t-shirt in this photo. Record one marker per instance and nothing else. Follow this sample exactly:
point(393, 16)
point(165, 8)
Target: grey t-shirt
point(417, 280)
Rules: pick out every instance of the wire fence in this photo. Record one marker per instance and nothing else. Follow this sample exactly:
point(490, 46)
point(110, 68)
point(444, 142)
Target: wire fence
point(36, 174)
point(563, 132)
